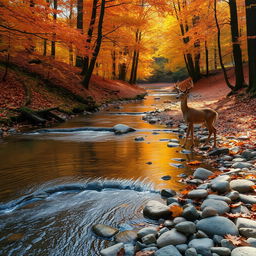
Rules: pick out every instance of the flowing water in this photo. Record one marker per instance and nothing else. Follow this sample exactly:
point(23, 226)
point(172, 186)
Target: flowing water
point(55, 184)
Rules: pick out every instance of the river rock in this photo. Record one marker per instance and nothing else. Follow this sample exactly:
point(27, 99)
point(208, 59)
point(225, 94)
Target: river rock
point(220, 206)
point(182, 247)
point(222, 251)
point(191, 252)
point(104, 230)
point(169, 224)
point(227, 244)
point(197, 194)
point(248, 154)
point(218, 151)
point(220, 186)
point(242, 186)
point(244, 251)
point(178, 220)
point(112, 250)
point(122, 129)
point(149, 239)
point(156, 210)
point(202, 173)
point(202, 245)
point(173, 145)
point(166, 177)
point(220, 178)
point(186, 227)
point(172, 237)
point(127, 236)
point(171, 200)
point(241, 165)
point(147, 231)
point(248, 232)
point(209, 212)
point(190, 213)
point(240, 209)
point(233, 195)
point(222, 226)
point(129, 249)
point(168, 193)
point(221, 198)
point(247, 199)
point(245, 223)
point(251, 241)
point(139, 139)
point(167, 251)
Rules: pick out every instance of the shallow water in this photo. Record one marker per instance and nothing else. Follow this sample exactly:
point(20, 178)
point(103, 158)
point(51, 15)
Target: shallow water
point(55, 184)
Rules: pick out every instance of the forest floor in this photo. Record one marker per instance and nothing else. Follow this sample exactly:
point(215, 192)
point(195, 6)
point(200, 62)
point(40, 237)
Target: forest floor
point(237, 113)
point(38, 83)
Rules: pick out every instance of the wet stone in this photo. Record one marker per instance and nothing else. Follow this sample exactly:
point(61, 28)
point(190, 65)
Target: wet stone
point(202, 173)
point(139, 139)
point(178, 220)
point(251, 241)
point(169, 224)
point(104, 230)
point(247, 199)
point(221, 186)
point(218, 151)
point(166, 177)
point(172, 237)
point(248, 232)
point(222, 198)
point(191, 252)
point(242, 186)
point(197, 194)
point(167, 251)
point(177, 165)
point(168, 193)
point(201, 245)
point(186, 227)
point(245, 223)
point(156, 210)
point(240, 209)
point(173, 145)
point(190, 213)
point(129, 249)
point(208, 212)
point(241, 165)
point(112, 250)
point(220, 206)
point(127, 236)
point(182, 247)
point(222, 226)
point(147, 231)
point(221, 251)
point(233, 195)
point(149, 239)
point(244, 251)
point(226, 243)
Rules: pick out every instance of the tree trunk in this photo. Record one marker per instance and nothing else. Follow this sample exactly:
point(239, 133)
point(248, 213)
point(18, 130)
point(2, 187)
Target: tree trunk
point(206, 59)
point(70, 48)
point(197, 75)
point(113, 55)
point(122, 71)
point(86, 59)
point(88, 74)
point(237, 53)
point(251, 42)
point(219, 47)
point(79, 25)
point(53, 46)
point(45, 47)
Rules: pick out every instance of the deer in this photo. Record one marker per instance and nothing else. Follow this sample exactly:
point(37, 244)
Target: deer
point(206, 116)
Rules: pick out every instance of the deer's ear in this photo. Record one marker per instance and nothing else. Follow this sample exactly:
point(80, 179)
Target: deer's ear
point(192, 83)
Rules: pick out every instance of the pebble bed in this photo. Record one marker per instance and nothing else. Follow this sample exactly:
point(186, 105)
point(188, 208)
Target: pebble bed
point(214, 215)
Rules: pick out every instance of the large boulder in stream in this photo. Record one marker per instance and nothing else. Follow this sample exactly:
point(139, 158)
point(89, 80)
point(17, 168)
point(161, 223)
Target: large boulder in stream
point(122, 129)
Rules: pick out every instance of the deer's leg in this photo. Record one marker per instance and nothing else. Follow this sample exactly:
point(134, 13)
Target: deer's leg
point(209, 127)
point(215, 135)
point(187, 134)
point(192, 135)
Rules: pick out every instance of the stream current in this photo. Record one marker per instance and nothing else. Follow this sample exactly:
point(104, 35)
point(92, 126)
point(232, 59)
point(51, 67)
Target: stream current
point(56, 184)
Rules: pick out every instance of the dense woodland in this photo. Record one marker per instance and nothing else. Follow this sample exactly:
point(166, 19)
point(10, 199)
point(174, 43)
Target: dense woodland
point(124, 39)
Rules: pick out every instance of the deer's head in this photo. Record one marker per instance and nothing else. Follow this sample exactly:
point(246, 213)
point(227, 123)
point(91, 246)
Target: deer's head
point(183, 88)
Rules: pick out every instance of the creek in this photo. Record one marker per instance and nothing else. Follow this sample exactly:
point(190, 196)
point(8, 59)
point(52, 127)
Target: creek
point(55, 184)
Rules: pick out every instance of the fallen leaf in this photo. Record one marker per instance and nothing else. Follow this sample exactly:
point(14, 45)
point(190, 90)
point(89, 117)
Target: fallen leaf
point(235, 205)
point(253, 208)
point(176, 210)
point(236, 240)
point(194, 162)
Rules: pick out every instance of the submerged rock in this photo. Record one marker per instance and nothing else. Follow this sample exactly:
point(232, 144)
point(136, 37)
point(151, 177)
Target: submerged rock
point(104, 230)
point(127, 236)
